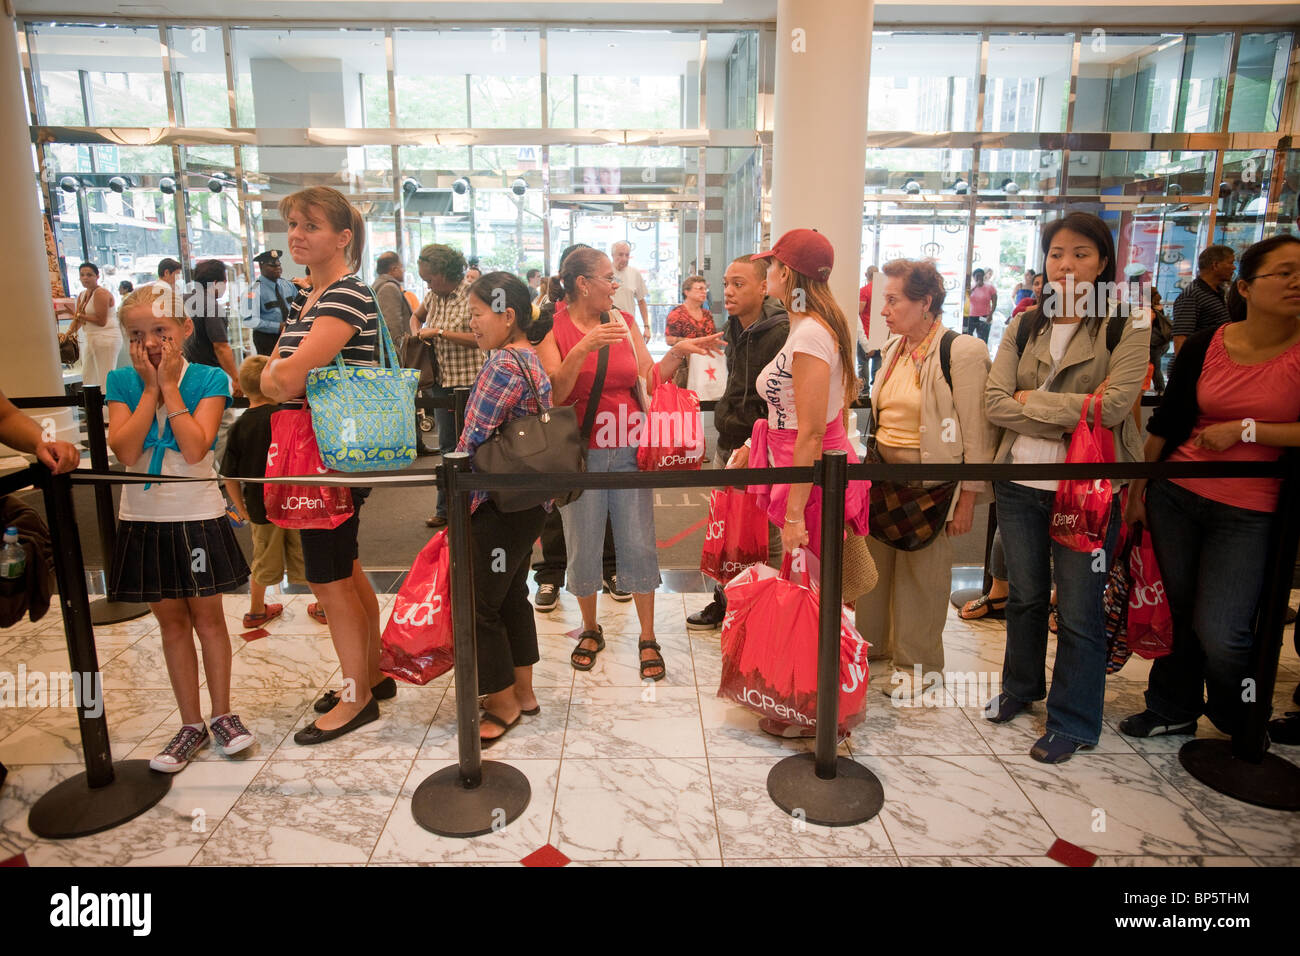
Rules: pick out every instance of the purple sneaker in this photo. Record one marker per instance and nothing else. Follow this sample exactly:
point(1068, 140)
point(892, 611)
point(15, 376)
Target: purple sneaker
point(180, 751)
point(231, 733)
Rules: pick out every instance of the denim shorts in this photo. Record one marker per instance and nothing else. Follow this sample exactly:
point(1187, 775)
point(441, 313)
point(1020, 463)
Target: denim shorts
point(631, 514)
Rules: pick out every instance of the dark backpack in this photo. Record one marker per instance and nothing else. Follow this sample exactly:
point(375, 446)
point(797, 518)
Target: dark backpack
point(1114, 332)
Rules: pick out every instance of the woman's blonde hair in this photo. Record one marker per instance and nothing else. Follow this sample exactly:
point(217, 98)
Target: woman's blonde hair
point(338, 212)
point(817, 300)
point(159, 301)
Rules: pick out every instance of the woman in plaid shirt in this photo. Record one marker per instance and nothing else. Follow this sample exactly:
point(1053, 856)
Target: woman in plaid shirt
point(505, 631)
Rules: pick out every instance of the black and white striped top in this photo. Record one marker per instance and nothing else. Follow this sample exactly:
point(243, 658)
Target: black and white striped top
point(348, 299)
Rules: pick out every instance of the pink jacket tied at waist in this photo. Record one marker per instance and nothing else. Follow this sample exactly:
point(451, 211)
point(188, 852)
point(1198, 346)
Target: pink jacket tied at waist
point(779, 444)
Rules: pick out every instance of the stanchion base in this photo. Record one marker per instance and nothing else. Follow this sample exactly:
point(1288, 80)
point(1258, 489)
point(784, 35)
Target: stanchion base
point(444, 805)
point(74, 809)
point(1274, 782)
point(962, 596)
point(104, 611)
point(853, 796)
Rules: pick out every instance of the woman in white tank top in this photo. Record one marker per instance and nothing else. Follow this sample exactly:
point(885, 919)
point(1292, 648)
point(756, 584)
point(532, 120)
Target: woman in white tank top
point(103, 336)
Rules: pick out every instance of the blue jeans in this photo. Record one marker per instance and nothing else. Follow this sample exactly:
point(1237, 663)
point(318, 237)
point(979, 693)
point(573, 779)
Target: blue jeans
point(445, 419)
point(631, 514)
point(1212, 558)
point(1079, 675)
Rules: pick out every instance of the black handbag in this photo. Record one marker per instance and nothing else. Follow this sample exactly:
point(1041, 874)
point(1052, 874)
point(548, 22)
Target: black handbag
point(548, 441)
point(418, 354)
point(69, 350)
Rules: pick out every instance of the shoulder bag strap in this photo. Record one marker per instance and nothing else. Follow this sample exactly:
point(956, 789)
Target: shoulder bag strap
point(537, 398)
point(593, 399)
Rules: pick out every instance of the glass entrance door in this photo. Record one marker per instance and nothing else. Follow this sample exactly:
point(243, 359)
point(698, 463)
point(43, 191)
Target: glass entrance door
point(661, 248)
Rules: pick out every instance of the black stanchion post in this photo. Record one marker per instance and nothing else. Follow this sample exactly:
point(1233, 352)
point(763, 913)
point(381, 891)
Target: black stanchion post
point(822, 788)
point(1239, 767)
point(472, 798)
point(104, 611)
point(107, 793)
point(461, 398)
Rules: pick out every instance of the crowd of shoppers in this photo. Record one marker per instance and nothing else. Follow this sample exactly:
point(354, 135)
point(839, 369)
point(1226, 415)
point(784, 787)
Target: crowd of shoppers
point(576, 339)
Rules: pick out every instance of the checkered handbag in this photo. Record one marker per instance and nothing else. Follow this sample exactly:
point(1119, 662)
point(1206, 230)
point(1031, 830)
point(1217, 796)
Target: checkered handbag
point(907, 516)
point(364, 417)
point(1114, 607)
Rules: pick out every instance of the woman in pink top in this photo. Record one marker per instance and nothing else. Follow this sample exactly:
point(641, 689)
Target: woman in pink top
point(983, 299)
point(1233, 395)
point(585, 324)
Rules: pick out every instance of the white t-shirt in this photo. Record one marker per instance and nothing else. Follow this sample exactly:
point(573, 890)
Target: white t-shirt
point(174, 501)
point(1030, 449)
point(776, 381)
point(631, 287)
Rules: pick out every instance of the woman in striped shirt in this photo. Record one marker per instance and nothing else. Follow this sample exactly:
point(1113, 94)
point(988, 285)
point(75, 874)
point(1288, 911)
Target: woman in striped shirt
point(338, 316)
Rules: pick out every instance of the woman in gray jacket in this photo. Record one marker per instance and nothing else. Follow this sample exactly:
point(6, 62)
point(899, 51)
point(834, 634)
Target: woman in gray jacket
point(928, 408)
point(1076, 342)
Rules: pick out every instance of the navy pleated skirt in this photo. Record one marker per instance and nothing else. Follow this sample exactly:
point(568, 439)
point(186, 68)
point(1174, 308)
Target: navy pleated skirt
point(157, 560)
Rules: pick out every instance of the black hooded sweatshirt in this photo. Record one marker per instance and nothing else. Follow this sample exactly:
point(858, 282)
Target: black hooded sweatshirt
point(748, 350)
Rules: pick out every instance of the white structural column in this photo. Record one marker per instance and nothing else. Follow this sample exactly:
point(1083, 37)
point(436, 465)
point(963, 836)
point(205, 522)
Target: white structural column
point(29, 362)
point(819, 133)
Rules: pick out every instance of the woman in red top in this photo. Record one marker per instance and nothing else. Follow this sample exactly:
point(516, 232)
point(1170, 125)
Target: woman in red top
point(1233, 395)
point(691, 319)
point(585, 324)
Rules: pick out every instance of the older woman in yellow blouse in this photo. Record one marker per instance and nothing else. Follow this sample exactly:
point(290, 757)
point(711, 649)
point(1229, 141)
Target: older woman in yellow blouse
point(921, 418)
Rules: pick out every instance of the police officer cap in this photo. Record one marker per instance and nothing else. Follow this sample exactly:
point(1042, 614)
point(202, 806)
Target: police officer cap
point(271, 257)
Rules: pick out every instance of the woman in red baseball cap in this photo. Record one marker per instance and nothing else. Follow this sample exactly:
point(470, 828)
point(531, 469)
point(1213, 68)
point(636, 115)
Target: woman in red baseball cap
point(808, 388)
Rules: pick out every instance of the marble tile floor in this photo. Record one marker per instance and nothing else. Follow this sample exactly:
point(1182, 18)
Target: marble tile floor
point(621, 773)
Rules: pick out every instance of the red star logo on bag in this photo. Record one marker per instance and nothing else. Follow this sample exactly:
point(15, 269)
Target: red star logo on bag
point(713, 373)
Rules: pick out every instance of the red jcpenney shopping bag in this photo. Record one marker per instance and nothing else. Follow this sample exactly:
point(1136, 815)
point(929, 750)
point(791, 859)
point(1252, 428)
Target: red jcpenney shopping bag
point(673, 438)
point(769, 650)
point(293, 451)
point(417, 642)
point(1081, 513)
point(1150, 624)
point(735, 536)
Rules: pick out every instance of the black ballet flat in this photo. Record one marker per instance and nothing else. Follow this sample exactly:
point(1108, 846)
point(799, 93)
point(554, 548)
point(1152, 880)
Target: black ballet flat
point(311, 734)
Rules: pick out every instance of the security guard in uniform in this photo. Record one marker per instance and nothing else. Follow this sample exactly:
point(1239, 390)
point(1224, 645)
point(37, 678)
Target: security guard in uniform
point(272, 296)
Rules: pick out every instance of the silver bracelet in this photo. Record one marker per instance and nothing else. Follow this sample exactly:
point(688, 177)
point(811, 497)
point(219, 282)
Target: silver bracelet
point(183, 411)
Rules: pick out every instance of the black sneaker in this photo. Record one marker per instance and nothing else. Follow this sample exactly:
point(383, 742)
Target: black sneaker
point(1150, 724)
point(548, 596)
point(708, 619)
point(612, 590)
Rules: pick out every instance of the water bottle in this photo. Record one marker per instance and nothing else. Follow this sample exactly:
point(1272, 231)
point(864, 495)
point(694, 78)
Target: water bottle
point(13, 559)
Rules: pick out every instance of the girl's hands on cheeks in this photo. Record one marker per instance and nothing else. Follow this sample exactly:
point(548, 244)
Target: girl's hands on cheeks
point(143, 367)
point(169, 369)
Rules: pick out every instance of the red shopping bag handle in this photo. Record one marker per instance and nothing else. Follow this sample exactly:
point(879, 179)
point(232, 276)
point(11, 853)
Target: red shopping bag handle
point(787, 562)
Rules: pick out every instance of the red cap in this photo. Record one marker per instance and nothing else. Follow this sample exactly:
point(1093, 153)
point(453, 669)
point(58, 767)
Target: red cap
point(805, 251)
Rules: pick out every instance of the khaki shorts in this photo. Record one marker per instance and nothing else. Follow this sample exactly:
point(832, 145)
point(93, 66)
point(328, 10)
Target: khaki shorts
point(276, 550)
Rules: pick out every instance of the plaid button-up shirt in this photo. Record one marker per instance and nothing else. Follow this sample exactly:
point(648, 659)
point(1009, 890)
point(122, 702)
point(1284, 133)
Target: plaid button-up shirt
point(501, 395)
point(457, 364)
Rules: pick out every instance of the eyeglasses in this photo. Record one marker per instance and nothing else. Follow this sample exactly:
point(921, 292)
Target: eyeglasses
point(1287, 277)
point(609, 278)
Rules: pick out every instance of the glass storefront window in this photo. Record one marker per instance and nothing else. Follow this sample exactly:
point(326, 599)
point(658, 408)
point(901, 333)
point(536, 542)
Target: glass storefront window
point(126, 232)
point(299, 78)
point(1260, 82)
point(1020, 172)
point(1128, 83)
point(468, 78)
point(99, 75)
point(1243, 197)
point(919, 171)
point(923, 82)
point(731, 83)
point(1133, 173)
point(198, 60)
point(623, 79)
point(911, 231)
point(615, 170)
point(1028, 85)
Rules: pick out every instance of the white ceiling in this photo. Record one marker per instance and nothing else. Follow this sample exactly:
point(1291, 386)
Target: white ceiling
point(1117, 13)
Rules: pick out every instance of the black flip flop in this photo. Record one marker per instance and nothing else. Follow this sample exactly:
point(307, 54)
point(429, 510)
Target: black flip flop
point(532, 713)
point(491, 718)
